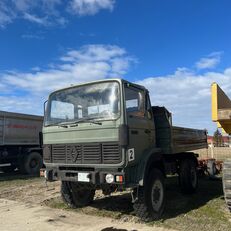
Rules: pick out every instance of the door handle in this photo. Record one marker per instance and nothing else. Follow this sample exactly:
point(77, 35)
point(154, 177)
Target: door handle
point(147, 131)
point(134, 132)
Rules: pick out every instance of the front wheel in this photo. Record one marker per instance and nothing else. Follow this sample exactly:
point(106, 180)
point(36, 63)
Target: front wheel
point(188, 178)
point(77, 194)
point(151, 198)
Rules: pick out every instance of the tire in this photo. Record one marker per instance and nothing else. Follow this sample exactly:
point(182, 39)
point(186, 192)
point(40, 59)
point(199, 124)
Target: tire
point(188, 178)
point(151, 198)
point(211, 168)
point(33, 163)
point(77, 195)
point(226, 180)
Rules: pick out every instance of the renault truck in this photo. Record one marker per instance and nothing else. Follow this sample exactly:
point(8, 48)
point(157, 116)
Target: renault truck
point(106, 135)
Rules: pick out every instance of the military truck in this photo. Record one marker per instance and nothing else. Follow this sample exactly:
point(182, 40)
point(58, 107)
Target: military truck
point(106, 135)
point(20, 142)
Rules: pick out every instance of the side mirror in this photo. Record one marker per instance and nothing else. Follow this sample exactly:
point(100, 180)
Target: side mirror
point(44, 107)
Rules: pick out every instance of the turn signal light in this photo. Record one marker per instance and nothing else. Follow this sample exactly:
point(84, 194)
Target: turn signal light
point(119, 179)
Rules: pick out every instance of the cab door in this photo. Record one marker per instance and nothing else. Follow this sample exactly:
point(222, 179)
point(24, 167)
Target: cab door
point(140, 122)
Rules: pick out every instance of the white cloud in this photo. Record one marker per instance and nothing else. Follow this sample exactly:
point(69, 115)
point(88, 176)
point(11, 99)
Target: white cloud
point(185, 92)
point(94, 53)
point(90, 7)
point(7, 15)
point(47, 12)
point(211, 61)
point(88, 63)
point(33, 18)
point(187, 95)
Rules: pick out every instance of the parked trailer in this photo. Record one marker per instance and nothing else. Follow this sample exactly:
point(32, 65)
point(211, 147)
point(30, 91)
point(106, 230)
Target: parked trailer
point(105, 135)
point(20, 142)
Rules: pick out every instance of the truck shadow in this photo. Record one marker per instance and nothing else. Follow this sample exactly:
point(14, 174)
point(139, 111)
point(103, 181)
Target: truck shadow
point(176, 203)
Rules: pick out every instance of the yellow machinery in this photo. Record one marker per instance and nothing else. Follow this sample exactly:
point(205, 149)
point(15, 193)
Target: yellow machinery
point(221, 108)
point(221, 113)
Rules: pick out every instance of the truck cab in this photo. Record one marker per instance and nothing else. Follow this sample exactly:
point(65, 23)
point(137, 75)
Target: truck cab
point(86, 128)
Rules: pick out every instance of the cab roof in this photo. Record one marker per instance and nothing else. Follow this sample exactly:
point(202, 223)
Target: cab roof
point(101, 81)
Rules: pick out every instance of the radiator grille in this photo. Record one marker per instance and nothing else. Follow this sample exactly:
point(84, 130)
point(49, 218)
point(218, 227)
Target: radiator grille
point(110, 153)
point(94, 153)
point(47, 153)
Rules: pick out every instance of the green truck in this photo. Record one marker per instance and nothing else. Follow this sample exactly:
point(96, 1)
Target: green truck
point(106, 135)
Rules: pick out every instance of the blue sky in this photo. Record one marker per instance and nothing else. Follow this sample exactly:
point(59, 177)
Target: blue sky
point(175, 48)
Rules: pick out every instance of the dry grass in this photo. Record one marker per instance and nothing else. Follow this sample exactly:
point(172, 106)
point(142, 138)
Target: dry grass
point(219, 153)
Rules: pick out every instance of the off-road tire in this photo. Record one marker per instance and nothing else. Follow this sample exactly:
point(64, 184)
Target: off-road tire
point(77, 195)
point(143, 206)
point(32, 163)
point(211, 168)
point(188, 177)
point(226, 180)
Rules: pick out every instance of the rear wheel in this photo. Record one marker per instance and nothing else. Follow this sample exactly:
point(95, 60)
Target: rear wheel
point(33, 163)
point(226, 180)
point(77, 194)
point(188, 178)
point(151, 198)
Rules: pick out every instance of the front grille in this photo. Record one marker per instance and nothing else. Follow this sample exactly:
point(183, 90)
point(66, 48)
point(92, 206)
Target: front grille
point(47, 153)
point(110, 153)
point(93, 153)
point(58, 150)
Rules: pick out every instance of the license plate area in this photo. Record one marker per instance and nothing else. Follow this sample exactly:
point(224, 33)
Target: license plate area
point(83, 177)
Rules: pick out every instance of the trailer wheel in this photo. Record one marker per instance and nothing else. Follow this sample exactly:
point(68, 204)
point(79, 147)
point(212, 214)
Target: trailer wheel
point(151, 198)
point(226, 180)
point(188, 178)
point(211, 168)
point(76, 194)
point(32, 163)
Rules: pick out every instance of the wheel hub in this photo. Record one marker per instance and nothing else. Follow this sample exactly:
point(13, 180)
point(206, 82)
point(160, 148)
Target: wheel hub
point(157, 195)
point(33, 163)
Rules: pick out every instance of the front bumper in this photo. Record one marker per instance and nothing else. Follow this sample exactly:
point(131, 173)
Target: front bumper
point(95, 177)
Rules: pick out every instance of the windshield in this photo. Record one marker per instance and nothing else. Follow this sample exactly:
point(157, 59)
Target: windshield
point(99, 101)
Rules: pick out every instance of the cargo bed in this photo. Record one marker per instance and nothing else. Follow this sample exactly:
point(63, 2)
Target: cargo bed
point(173, 139)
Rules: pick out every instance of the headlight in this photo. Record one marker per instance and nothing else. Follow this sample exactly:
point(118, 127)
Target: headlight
point(109, 178)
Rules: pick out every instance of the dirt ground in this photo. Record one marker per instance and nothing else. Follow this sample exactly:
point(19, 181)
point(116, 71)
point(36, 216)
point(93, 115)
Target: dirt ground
point(29, 204)
point(23, 206)
point(17, 216)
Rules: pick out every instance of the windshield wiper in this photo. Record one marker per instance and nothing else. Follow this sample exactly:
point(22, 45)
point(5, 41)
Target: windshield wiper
point(57, 124)
point(60, 124)
point(75, 123)
point(91, 120)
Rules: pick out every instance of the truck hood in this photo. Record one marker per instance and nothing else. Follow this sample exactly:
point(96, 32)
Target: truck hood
point(83, 133)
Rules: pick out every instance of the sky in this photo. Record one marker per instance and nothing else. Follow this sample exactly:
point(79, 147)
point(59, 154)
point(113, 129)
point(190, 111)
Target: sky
point(175, 48)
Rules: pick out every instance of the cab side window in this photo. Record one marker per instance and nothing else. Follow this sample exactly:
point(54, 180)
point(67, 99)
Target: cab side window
point(134, 102)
